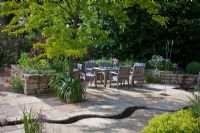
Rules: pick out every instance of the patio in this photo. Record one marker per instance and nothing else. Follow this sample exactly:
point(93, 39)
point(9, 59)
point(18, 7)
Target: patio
point(98, 101)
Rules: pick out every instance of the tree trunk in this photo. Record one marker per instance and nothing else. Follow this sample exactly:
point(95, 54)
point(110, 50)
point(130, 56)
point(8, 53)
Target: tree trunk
point(71, 59)
point(71, 66)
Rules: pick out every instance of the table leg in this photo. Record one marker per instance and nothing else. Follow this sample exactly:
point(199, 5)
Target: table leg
point(95, 79)
point(105, 78)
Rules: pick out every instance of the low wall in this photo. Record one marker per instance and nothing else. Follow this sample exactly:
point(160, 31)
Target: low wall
point(33, 83)
point(168, 77)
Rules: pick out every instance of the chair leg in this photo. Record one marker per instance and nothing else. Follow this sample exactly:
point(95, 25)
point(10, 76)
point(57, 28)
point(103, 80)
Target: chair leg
point(124, 82)
point(110, 81)
point(142, 81)
point(132, 82)
point(128, 83)
point(101, 76)
point(95, 83)
point(90, 82)
point(117, 85)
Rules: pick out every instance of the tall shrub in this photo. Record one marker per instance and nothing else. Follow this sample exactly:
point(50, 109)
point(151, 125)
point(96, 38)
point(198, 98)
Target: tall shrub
point(193, 68)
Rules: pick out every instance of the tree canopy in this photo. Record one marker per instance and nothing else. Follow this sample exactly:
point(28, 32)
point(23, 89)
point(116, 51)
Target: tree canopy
point(70, 26)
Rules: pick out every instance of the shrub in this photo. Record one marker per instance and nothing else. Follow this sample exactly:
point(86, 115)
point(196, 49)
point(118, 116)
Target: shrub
point(68, 88)
point(126, 63)
point(179, 122)
point(154, 78)
point(23, 58)
point(195, 102)
point(157, 62)
point(35, 65)
point(59, 64)
point(103, 59)
point(16, 84)
point(193, 68)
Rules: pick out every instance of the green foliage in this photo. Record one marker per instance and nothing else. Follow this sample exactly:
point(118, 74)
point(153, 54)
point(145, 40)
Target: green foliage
point(179, 122)
point(154, 78)
point(23, 58)
point(59, 64)
point(68, 88)
point(35, 65)
point(157, 62)
point(143, 37)
point(127, 62)
point(193, 68)
point(11, 46)
point(31, 125)
point(195, 102)
point(7, 52)
point(71, 27)
point(16, 84)
point(103, 59)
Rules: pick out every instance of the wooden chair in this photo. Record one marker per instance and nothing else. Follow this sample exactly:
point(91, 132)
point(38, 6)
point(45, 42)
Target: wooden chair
point(137, 73)
point(85, 74)
point(103, 64)
point(122, 75)
point(89, 64)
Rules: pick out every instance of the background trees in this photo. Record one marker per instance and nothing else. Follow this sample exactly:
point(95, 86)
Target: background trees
point(143, 37)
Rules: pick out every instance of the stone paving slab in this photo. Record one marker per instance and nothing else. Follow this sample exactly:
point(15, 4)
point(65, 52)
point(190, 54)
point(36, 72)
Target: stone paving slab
point(101, 101)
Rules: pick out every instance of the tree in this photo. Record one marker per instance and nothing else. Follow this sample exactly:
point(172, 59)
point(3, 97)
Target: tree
point(70, 26)
point(143, 37)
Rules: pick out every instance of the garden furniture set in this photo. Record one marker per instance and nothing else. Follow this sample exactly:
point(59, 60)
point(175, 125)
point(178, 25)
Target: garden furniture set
point(89, 71)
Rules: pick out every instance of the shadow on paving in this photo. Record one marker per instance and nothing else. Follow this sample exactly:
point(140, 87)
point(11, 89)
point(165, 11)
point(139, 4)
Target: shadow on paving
point(110, 100)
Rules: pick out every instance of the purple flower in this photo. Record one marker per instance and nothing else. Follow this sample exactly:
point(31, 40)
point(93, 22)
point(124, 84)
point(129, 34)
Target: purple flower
point(41, 118)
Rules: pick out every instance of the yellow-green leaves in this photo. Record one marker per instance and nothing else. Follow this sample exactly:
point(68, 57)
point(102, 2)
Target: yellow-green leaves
point(70, 26)
point(179, 122)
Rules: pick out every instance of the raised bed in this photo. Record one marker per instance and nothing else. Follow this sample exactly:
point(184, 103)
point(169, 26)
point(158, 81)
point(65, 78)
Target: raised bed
point(33, 83)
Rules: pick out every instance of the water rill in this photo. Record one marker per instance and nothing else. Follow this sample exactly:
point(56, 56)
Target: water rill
point(124, 114)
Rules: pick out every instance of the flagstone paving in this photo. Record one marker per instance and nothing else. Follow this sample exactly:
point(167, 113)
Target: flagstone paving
point(104, 101)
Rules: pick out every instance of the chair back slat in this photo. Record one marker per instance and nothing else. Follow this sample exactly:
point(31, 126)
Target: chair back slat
point(90, 64)
point(139, 68)
point(124, 72)
point(104, 64)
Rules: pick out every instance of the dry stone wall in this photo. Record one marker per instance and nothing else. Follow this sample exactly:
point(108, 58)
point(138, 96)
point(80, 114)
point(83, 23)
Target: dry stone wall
point(168, 77)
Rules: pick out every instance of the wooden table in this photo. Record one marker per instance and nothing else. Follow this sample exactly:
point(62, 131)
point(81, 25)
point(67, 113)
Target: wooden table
point(105, 71)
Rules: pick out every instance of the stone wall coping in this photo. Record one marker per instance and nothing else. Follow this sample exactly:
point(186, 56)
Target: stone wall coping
point(37, 75)
point(171, 73)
